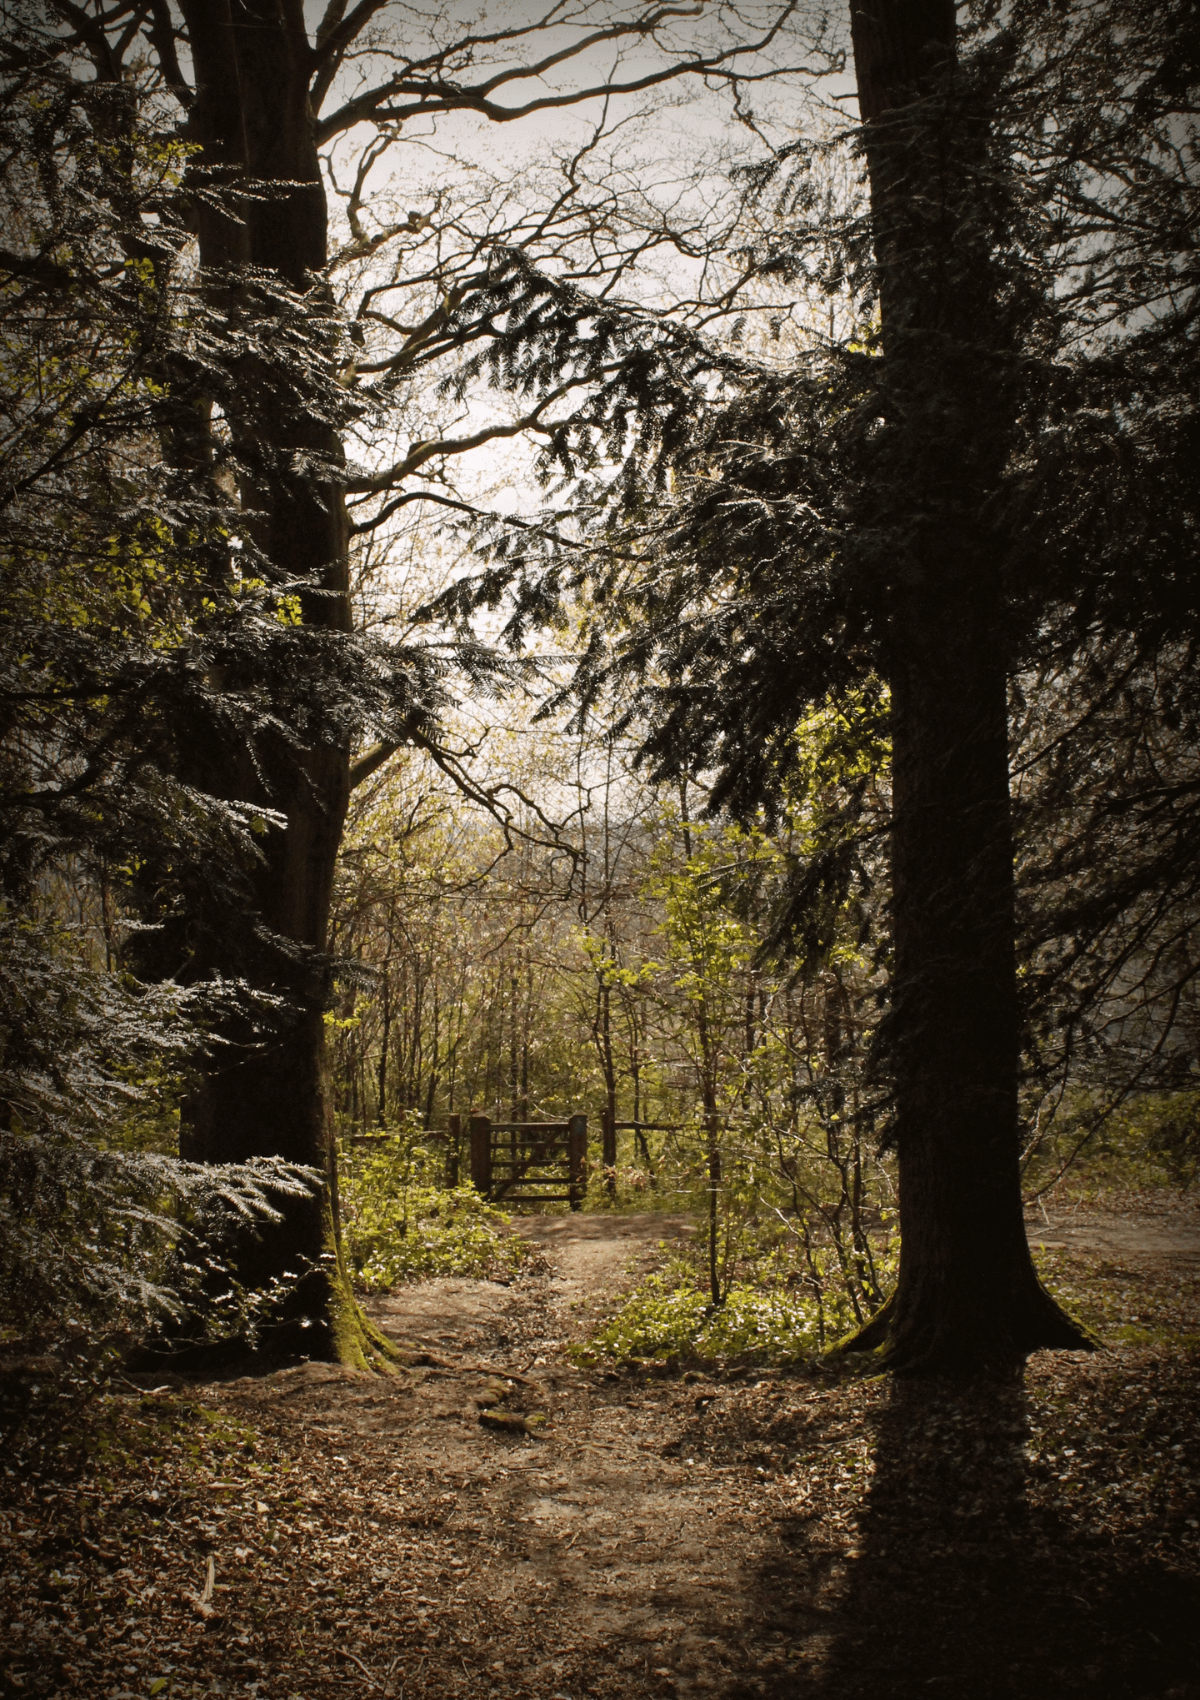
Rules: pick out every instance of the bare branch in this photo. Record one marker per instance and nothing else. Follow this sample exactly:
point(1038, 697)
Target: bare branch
point(430, 94)
point(90, 33)
point(161, 35)
point(420, 453)
point(335, 33)
point(362, 767)
point(488, 797)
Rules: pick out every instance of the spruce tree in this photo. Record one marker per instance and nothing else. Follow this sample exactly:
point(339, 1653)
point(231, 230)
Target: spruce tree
point(266, 414)
point(916, 522)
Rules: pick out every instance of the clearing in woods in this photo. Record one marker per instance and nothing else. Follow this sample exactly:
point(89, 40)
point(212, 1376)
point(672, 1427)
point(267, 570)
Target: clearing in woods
point(777, 1534)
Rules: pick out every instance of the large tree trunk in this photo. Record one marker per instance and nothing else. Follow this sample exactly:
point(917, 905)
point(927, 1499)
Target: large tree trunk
point(252, 120)
point(967, 1295)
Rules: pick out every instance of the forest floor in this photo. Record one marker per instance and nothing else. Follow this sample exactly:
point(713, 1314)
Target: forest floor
point(316, 1532)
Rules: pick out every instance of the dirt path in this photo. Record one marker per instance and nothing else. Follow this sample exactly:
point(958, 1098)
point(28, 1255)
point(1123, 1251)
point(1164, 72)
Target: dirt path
point(582, 1527)
point(587, 1257)
point(687, 1537)
point(754, 1536)
point(1170, 1232)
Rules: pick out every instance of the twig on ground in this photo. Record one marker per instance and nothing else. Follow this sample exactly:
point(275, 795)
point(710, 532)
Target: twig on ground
point(354, 1658)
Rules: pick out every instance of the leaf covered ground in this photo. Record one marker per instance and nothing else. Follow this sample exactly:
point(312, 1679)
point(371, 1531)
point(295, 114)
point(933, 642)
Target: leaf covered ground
point(316, 1533)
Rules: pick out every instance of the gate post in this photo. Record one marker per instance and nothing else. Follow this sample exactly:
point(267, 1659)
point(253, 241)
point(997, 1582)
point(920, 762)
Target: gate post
point(608, 1138)
point(481, 1153)
point(576, 1159)
point(453, 1148)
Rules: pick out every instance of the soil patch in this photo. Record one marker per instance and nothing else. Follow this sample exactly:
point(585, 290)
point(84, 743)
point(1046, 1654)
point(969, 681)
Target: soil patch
point(761, 1534)
point(585, 1259)
point(1166, 1227)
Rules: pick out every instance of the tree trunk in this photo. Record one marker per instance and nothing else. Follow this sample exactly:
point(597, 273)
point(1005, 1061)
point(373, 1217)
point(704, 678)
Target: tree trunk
point(968, 1295)
point(608, 1066)
point(384, 1041)
point(252, 118)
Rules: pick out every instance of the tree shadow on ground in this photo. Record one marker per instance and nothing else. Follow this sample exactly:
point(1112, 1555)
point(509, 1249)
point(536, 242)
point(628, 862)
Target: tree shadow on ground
point(957, 1585)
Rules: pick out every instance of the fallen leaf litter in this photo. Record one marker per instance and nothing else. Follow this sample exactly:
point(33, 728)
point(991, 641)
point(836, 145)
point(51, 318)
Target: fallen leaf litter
point(317, 1533)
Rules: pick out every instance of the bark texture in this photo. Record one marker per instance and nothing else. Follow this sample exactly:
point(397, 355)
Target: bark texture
point(967, 1295)
point(253, 123)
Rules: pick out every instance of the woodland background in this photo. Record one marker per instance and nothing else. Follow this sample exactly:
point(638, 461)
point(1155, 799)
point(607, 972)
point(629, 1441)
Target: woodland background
point(558, 889)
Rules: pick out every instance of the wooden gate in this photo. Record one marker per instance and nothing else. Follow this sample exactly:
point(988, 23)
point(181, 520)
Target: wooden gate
point(530, 1162)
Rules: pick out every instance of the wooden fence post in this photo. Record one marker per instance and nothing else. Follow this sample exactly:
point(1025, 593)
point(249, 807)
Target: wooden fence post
point(577, 1160)
point(453, 1148)
point(481, 1153)
point(608, 1142)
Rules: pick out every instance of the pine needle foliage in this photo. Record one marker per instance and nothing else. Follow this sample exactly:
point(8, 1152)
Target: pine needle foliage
point(96, 1242)
point(730, 516)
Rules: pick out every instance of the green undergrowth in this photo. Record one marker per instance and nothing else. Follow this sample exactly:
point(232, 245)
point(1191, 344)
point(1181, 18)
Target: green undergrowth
point(669, 1318)
point(430, 1232)
point(1124, 1306)
point(1150, 1143)
point(105, 1433)
point(400, 1225)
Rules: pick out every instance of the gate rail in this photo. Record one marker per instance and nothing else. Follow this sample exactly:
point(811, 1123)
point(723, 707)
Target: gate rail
point(541, 1155)
point(509, 1154)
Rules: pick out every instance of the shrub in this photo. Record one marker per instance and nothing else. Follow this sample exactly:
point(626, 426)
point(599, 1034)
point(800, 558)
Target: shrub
point(98, 1243)
point(670, 1316)
point(400, 1224)
point(1150, 1140)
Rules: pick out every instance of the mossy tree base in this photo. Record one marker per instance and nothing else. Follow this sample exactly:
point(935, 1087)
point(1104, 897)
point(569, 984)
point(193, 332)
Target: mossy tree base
point(347, 1336)
point(318, 1317)
point(321, 1322)
point(965, 1333)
